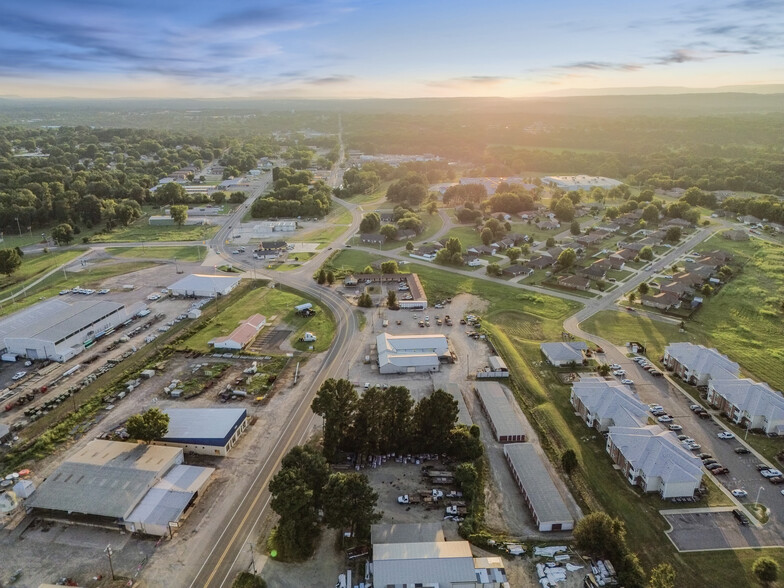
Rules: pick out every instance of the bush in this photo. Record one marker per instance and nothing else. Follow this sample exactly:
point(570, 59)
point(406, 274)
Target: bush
point(248, 580)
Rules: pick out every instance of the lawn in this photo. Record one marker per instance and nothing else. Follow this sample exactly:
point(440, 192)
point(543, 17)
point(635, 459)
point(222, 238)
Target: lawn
point(340, 215)
point(323, 236)
point(372, 198)
point(141, 231)
point(433, 224)
point(33, 267)
point(467, 235)
point(182, 253)
point(269, 302)
point(621, 327)
point(88, 278)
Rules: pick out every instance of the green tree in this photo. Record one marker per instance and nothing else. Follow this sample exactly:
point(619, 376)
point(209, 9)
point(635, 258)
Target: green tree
point(292, 500)
point(643, 288)
point(322, 276)
point(567, 258)
point(673, 235)
point(514, 253)
point(662, 576)
point(646, 253)
point(632, 297)
point(148, 426)
point(390, 267)
point(569, 461)
point(574, 228)
point(248, 580)
point(397, 405)
point(171, 193)
point(707, 290)
point(392, 300)
point(350, 503)
point(409, 246)
point(389, 231)
point(550, 242)
point(564, 209)
point(218, 197)
point(9, 261)
point(63, 234)
point(651, 214)
point(238, 197)
point(765, 569)
point(630, 571)
point(434, 418)
point(465, 443)
point(493, 269)
point(603, 369)
point(467, 478)
point(336, 402)
point(364, 300)
point(432, 208)
point(179, 214)
point(486, 235)
point(598, 534)
point(368, 270)
point(330, 277)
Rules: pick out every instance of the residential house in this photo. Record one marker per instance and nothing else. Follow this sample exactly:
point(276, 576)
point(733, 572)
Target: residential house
point(563, 354)
point(594, 272)
point(662, 300)
point(689, 278)
point(242, 336)
point(704, 271)
point(603, 404)
point(654, 460)
point(472, 260)
point(386, 217)
point(350, 280)
point(405, 234)
point(608, 263)
point(735, 235)
point(548, 225)
point(482, 250)
point(634, 246)
point(696, 364)
point(679, 289)
point(746, 220)
point(517, 270)
point(678, 222)
point(541, 262)
point(589, 239)
point(372, 239)
point(750, 404)
point(575, 282)
point(610, 227)
point(624, 254)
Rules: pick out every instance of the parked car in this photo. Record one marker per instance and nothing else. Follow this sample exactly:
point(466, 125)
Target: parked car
point(726, 435)
point(682, 438)
point(695, 407)
point(720, 471)
point(776, 480)
point(676, 428)
point(741, 517)
point(704, 456)
point(714, 465)
point(19, 375)
point(655, 407)
point(771, 473)
point(665, 419)
point(619, 373)
point(741, 450)
point(615, 366)
point(741, 493)
point(627, 381)
point(762, 466)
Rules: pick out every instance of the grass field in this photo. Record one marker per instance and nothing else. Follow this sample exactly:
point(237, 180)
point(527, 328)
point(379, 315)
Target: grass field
point(182, 253)
point(372, 198)
point(89, 278)
point(621, 327)
point(141, 231)
point(323, 236)
point(32, 268)
point(269, 302)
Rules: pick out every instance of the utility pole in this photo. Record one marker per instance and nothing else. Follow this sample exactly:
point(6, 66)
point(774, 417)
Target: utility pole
point(108, 552)
point(18, 226)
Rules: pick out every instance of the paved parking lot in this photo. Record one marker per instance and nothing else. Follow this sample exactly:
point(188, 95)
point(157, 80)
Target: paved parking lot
point(701, 531)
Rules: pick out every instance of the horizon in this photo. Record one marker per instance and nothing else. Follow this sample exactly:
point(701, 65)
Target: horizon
point(343, 49)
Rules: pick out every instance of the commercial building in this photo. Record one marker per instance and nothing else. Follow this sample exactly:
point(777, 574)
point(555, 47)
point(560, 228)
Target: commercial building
point(654, 460)
point(204, 286)
point(580, 182)
point(400, 354)
point(410, 293)
point(142, 488)
point(496, 369)
point(697, 364)
point(504, 422)
point(60, 331)
point(207, 431)
point(242, 336)
point(417, 555)
point(539, 492)
point(603, 404)
point(562, 354)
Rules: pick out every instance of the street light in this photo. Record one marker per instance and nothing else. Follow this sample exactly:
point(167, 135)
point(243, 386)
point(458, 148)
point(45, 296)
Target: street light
point(108, 552)
point(761, 488)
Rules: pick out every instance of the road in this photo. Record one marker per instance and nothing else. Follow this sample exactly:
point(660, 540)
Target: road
point(240, 528)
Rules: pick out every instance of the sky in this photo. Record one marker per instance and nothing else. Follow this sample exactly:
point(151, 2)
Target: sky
point(382, 48)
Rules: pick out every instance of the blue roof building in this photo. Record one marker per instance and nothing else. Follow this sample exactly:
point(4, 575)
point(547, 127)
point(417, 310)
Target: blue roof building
point(208, 431)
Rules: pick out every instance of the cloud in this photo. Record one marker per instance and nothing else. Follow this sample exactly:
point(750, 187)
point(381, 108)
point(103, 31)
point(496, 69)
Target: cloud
point(329, 80)
point(680, 56)
point(601, 65)
point(482, 80)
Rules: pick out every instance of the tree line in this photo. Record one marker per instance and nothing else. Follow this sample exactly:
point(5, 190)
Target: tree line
point(294, 194)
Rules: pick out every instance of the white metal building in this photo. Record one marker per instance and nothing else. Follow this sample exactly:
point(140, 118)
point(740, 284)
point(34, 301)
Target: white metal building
point(204, 286)
point(539, 492)
point(411, 353)
point(506, 425)
point(62, 331)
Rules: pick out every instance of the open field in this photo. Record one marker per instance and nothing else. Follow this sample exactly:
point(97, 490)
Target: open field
point(141, 231)
point(339, 215)
point(87, 278)
point(372, 198)
point(621, 327)
point(33, 267)
point(323, 236)
point(269, 302)
point(183, 253)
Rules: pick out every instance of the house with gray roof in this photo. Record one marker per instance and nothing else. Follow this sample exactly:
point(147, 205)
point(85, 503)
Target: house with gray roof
point(562, 353)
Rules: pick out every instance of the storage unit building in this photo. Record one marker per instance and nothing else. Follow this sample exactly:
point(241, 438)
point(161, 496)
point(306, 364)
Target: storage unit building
point(539, 492)
point(504, 421)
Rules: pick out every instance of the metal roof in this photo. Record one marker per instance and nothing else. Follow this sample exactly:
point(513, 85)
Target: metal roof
point(406, 533)
point(64, 322)
point(18, 321)
point(433, 563)
point(205, 426)
point(543, 495)
point(499, 409)
point(205, 283)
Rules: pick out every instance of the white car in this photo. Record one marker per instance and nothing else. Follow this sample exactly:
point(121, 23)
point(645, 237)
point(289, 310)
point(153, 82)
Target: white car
point(676, 428)
point(627, 381)
point(771, 473)
point(726, 435)
point(655, 407)
point(403, 499)
point(615, 366)
point(64, 292)
point(665, 419)
point(153, 297)
point(619, 373)
point(694, 446)
point(19, 375)
point(104, 291)
point(743, 493)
